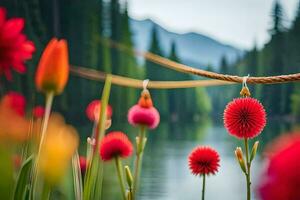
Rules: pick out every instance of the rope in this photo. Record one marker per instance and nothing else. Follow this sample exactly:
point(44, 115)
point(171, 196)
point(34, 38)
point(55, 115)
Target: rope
point(95, 75)
point(164, 62)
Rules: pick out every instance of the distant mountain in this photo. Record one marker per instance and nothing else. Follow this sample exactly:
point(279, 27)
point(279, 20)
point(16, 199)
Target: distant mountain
point(193, 49)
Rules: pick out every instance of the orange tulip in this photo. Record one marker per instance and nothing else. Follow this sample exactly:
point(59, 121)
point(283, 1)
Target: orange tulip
point(53, 69)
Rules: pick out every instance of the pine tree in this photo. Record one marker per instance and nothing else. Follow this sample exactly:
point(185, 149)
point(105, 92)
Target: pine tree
point(156, 72)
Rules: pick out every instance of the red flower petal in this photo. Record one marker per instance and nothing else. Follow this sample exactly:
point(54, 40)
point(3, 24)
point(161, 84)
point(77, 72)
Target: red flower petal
point(16, 101)
point(38, 111)
point(115, 144)
point(244, 117)
point(14, 47)
point(204, 160)
point(281, 179)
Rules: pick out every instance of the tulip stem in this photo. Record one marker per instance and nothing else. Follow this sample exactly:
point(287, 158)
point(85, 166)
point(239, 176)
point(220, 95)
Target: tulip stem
point(247, 173)
point(141, 142)
point(203, 187)
point(119, 169)
point(49, 100)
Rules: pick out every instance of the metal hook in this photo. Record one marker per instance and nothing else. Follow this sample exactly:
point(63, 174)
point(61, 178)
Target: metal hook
point(245, 80)
point(145, 84)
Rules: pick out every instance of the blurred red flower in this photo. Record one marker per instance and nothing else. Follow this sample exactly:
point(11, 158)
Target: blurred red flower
point(204, 160)
point(115, 144)
point(15, 101)
point(244, 117)
point(281, 179)
point(144, 113)
point(15, 49)
point(93, 110)
point(38, 111)
point(83, 164)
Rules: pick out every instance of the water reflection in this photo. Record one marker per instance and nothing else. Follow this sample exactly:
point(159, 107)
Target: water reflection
point(165, 174)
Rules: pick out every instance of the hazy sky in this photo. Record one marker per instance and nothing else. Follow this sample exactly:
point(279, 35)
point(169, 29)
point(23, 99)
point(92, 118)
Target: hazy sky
point(236, 22)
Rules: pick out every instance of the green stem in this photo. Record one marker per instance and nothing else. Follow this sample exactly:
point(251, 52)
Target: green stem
point(46, 192)
point(203, 187)
point(119, 169)
point(94, 174)
point(138, 162)
point(49, 100)
point(248, 170)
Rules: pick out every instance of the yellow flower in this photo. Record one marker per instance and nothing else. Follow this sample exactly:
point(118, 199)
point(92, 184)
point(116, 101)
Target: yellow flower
point(60, 144)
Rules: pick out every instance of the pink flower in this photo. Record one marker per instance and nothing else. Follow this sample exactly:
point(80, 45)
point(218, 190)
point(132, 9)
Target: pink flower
point(93, 110)
point(144, 113)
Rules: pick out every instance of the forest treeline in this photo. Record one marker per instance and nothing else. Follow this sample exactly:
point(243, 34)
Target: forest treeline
point(85, 25)
point(280, 55)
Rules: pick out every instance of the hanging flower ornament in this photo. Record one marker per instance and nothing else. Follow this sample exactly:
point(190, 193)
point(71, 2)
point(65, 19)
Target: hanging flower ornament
point(15, 48)
point(245, 118)
point(143, 115)
point(204, 161)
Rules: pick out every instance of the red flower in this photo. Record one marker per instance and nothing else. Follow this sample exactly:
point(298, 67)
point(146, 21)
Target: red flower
point(83, 164)
point(93, 110)
point(144, 113)
point(204, 160)
point(115, 144)
point(38, 111)
point(281, 178)
point(15, 101)
point(244, 117)
point(15, 49)
point(17, 161)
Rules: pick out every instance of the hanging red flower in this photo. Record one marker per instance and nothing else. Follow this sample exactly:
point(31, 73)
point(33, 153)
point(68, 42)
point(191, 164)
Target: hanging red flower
point(93, 110)
point(204, 160)
point(281, 178)
point(15, 101)
point(15, 49)
point(244, 117)
point(115, 144)
point(38, 111)
point(144, 113)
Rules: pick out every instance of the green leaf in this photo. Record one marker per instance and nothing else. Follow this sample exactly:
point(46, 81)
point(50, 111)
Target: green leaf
point(77, 177)
point(94, 174)
point(22, 181)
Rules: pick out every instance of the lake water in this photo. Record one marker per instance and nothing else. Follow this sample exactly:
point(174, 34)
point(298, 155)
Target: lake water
point(165, 173)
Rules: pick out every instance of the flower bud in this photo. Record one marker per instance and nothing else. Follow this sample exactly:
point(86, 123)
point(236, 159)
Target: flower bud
point(128, 176)
point(239, 156)
point(254, 150)
point(245, 92)
point(53, 69)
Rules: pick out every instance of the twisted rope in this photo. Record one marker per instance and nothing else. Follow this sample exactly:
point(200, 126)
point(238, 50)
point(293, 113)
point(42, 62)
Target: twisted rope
point(164, 62)
point(135, 83)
